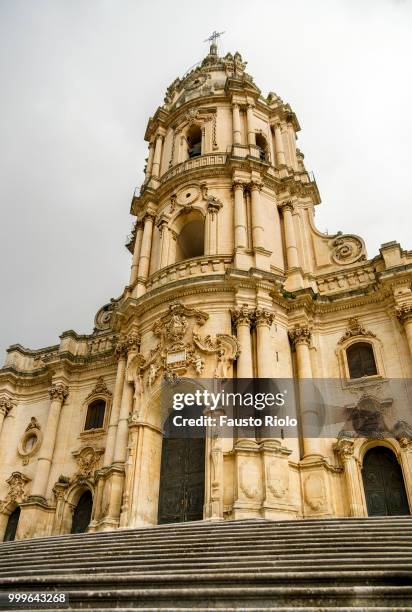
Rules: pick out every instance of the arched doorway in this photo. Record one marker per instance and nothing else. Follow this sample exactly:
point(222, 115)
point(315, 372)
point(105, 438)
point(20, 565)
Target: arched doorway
point(182, 480)
point(82, 513)
point(12, 523)
point(383, 483)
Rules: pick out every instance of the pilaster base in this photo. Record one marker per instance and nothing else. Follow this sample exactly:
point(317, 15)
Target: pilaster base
point(36, 519)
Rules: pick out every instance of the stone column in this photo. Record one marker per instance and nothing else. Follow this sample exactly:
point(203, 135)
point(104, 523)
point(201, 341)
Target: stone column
point(120, 451)
point(251, 135)
point(58, 394)
point(292, 142)
point(236, 124)
point(149, 164)
point(164, 244)
point(290, 236)
point(211, 237)
point(280, 151)
point(5, 407)
point(345, 447)
point(300, 337)
point(157, 156)
point(404, 314)
point(136, 252)
point(121, 353)
point(144, 259)
point(242, 319)
point(264, 320)
point(240, 216)
point(257, 216)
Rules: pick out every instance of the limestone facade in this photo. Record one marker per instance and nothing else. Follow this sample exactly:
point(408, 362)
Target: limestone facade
point(229, 278)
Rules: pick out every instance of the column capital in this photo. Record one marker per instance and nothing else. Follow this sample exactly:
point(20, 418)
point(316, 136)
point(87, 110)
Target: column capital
point(213, 205)
point(300, 334)
point(237, 184)
point(255, 186)
point(132, 341)
point(242, 316)
point(250, 105)
point(127, 343)
point(264, 317)
point(6, 404)
point(58, 391)
point(345, 448)
point(287, 206)
point(404, 312)
point(149, 215)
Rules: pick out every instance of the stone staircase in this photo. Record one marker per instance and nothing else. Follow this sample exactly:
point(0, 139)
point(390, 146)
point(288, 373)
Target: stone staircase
point(336, 564)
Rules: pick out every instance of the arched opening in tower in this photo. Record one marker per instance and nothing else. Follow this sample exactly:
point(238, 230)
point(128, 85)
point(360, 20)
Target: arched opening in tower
point(194, 142)
point(263, 147)
point(191, 238)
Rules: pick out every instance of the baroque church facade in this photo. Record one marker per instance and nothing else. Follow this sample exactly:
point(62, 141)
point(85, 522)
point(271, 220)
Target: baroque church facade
point(229, 278)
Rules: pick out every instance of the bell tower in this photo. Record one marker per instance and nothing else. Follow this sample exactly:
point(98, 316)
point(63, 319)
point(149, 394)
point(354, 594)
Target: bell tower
point(224, 182)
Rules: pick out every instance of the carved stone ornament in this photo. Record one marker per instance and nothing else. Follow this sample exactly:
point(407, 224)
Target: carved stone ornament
point(181, 348)
point(300, 335)
point(6, 404)
point(100, 389)
point(128, 343)
point(264, 317)
point(277, 479)
point(30, 441)
point(17, 490)
point(404, 312)
point(249, 478)
point(315, 492)
point(347, 249)
point(34, 424)
point(242, 316)
point(87, 460)
point(59, 391)
point(104, 315)
point(345, 447)
point(355, 329)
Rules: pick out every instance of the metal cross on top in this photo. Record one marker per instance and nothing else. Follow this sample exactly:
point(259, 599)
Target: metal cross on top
point(214, 37)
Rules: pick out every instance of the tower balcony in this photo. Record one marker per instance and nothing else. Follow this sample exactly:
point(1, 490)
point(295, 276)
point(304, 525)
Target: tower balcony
point(196, 163)
point(201, 267)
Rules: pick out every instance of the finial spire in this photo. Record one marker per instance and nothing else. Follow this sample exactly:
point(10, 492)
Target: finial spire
point(213, 38)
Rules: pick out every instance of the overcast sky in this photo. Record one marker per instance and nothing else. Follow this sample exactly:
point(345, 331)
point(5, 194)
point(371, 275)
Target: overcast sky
point(79, 79)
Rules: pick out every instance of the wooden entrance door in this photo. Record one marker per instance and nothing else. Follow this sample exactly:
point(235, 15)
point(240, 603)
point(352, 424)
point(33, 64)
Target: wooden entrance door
point(12, 523)
point(182, 480)
point(383, 483)
point(82, 513)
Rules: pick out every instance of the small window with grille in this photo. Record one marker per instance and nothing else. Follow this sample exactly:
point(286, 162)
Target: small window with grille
point(95, 414)
point(361, 360)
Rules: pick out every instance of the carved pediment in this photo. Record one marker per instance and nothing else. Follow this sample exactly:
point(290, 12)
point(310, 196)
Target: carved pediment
point(355, 329)
point(16, 494)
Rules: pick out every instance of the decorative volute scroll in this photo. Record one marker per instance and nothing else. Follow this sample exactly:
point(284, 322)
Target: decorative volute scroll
point(347, 249)
point(355, 329)
point(16, 494)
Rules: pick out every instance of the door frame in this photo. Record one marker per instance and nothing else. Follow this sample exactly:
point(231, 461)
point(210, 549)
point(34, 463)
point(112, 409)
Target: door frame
point(403, 455)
